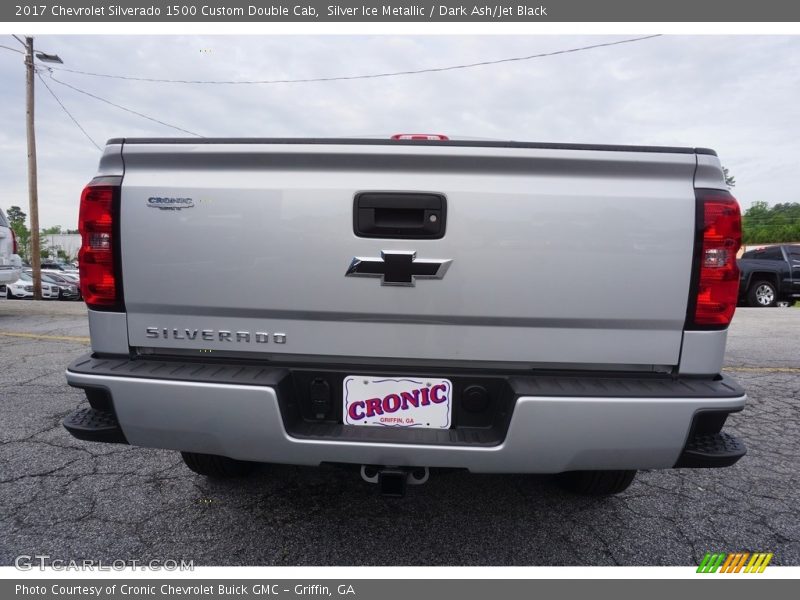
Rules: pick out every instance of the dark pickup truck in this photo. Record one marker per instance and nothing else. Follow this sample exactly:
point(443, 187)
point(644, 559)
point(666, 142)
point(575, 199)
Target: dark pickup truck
point(770, 275)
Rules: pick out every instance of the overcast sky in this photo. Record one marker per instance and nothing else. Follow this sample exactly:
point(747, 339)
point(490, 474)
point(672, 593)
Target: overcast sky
point(737, 94)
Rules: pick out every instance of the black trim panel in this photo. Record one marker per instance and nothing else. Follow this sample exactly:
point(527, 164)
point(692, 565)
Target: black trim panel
point(711, 451)
point(535, 384)
point(626, 387)
point(388, 142)
point(179, 370)
point(707, 446)
point(389, 435)
point(372, 212)
point(92, 425)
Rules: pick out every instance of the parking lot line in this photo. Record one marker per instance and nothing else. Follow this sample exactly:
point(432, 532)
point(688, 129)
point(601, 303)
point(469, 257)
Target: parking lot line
point(149, 504)
point(762, 369)
point(37, 336)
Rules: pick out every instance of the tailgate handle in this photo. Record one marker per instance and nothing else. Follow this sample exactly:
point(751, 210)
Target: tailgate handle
point(399, 215)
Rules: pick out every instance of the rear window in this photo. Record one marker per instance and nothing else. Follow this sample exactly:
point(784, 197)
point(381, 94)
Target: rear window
point(3, 222)
point(773, 253)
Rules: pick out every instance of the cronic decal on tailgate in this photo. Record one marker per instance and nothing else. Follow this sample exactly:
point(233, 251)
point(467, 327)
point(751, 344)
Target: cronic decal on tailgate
point(169, 203)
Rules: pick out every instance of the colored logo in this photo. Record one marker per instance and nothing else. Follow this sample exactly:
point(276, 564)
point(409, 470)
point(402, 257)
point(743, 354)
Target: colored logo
point(743, 562)
point(392, 402)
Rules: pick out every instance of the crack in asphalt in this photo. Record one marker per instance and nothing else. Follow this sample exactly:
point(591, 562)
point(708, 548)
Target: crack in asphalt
point(74, 500)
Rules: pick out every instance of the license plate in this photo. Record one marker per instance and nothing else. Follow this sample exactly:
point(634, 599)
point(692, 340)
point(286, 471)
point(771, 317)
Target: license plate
point(413, 402)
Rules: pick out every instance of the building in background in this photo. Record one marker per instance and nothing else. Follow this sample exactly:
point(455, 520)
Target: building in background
point(67, 243)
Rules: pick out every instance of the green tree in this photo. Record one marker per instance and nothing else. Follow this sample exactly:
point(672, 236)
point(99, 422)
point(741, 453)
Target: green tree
point(54, 230)
point(16, 216)
point(730, 180)
point(16, 220)
point(765, 224)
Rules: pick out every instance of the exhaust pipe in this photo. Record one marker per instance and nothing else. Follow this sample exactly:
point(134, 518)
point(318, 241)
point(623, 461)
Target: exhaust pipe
point(392, 481)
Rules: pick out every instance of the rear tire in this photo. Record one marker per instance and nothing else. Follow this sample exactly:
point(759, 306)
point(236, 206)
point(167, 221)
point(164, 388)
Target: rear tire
point(762, 294)
point(596, 483)
point(216, 467)
point(9, 295)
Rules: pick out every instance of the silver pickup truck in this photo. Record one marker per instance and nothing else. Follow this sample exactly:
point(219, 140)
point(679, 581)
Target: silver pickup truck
point(409, 303)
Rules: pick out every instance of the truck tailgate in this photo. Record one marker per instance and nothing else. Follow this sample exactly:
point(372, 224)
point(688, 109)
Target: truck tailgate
point(558, 256)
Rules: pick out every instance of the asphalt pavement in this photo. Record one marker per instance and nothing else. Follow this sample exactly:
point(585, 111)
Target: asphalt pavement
point(74, 500)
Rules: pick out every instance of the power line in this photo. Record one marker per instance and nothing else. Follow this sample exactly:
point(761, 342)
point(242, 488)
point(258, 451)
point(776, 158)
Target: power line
point(370, 75)
point(64, 108)
point(305, 80)
point(787, 221)
point(130, 110)
point(12, 49)
point(793, 222)
point(19, 40)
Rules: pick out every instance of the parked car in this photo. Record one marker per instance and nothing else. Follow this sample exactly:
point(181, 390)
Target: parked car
point(72, 278)
point(10, 262)
point(67, 289)
point(57, 266)
point(23, 288)
point(770, 276)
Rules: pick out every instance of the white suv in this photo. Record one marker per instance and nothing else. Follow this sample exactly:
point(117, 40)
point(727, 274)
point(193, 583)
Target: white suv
point(10, 262)
point(24, 289)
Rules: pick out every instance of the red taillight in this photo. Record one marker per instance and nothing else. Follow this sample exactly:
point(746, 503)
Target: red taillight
point(420, 136)
point(717, 288)
point(98, 272)
point(14, 242)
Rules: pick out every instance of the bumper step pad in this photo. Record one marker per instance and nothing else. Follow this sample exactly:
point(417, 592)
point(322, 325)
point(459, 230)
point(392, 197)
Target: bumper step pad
point(94, 425)
point(711, 450)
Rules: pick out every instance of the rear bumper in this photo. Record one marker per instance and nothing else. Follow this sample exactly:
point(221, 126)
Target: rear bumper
point(240, 411)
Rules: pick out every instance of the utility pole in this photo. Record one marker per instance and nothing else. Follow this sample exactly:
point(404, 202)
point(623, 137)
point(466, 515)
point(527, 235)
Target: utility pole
point(33, 188)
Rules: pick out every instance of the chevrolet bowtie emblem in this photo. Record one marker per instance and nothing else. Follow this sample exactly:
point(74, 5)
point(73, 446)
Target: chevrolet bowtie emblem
point(398, 268)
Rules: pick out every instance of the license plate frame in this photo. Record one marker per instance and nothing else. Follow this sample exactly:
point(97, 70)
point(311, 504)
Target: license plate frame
point(407, 402)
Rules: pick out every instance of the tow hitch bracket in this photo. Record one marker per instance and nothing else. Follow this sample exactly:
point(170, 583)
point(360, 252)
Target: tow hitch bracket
point(392, 481)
